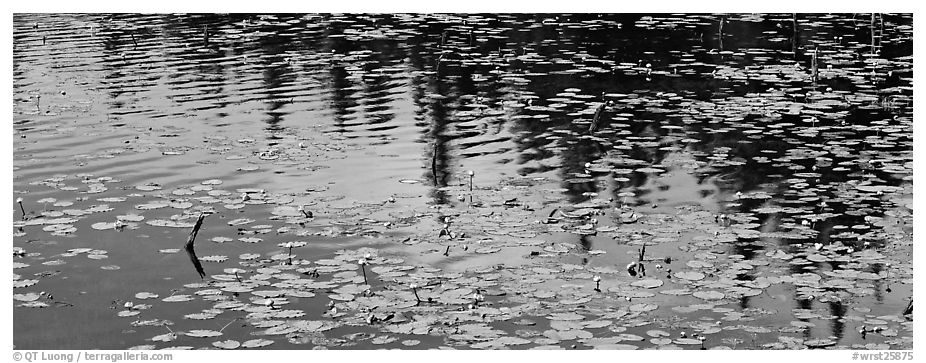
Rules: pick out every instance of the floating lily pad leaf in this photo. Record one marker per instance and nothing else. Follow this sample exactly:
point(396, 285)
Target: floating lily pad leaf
point(699, 264)
point(655, 333)
point(816, 257)
point(33, 304)
point(24, 283)
point(311, 325)
point(169, 250)
point(146, 295)
point(616, 347)
point(60, 228)
point(597, 252)
point(566, 316)
point(221, 239)
point(152, 205)
point(341, 297)
point(110, 267)
point(648, 283)
point(238, 288)
point(214, 258)
point(757, 329)
point(227, 344)
point(289, 314)
point(203, 333)
point(280, 330)
point(630, 337)
point(240, 221)
point(510, 341)
point(249, 256)
point(148, 187)
point(256, 343)
point(689, 275)
point(130, 218)
point(412, 342)
point(889, 332)
point(181, 205)
point(166, 337)
point(200, 316)
point(103, 225)
point(597, 324)
point(687, 341)
point(127, 313)
point(169, 223)
point(177, 298)
point(227, 305)
point(708, 295)
point(819, 343)
point(250, 239)
point(660, 341)
point(211, 182)
point(27, 297)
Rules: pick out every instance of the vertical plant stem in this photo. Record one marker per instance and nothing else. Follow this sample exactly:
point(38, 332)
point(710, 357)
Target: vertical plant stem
point(720, 33)
point(226, 325)
point(872, 34)
point(815, 66)
point(434, 164)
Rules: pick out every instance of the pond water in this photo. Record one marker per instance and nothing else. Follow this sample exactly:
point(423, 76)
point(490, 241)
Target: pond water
point(463, 181)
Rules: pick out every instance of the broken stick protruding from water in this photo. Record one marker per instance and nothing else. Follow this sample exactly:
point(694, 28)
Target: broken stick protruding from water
point(189, 245)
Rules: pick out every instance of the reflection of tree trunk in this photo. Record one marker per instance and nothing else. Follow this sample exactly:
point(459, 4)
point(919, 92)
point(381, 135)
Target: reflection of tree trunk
point(872, 34)
point(439, 154)
point(839, 311)
point(805, 305)
point(435, 149)
point(795, 35)
point(720, 33)
point(814, 66)
point(876, 268)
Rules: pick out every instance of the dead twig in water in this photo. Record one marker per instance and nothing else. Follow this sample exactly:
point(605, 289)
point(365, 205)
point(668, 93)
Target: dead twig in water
point(596, 120)
point(641, 269)
point(20, 202)
point(363, 263)
point(189, 245)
